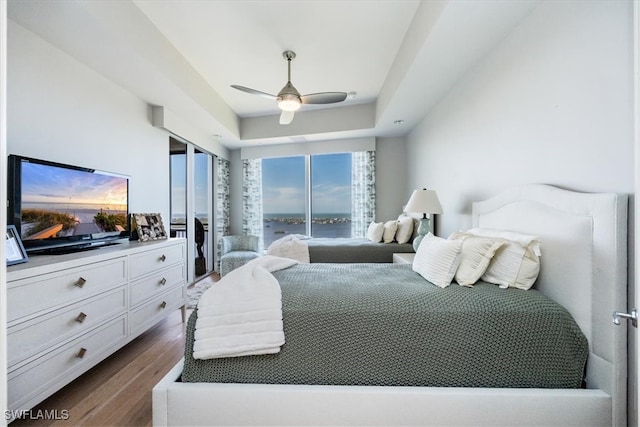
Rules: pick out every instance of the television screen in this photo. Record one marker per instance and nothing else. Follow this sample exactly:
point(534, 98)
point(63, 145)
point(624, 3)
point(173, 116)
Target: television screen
point(57, 205)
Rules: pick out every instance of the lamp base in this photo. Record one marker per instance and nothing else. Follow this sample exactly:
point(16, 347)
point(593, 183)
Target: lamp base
point(423, 229)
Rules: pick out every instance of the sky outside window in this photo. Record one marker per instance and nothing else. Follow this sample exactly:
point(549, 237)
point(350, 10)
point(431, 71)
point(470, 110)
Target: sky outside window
point(283, 184)
point(179, 185)
point(331, 184)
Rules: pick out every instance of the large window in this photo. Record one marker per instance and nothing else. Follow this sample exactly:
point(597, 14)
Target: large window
point(283, 197)
point(306, 195)
point(331, 195)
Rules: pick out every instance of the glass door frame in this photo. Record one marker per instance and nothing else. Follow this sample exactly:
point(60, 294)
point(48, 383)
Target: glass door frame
point(190, 209)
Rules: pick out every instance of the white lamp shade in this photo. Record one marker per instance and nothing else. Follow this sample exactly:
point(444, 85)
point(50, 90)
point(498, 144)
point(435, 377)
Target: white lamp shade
point(424, 201)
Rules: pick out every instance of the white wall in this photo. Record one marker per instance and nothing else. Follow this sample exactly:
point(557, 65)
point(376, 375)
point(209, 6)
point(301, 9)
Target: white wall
point(553, 103)
point(392, 192)
point(61, 110)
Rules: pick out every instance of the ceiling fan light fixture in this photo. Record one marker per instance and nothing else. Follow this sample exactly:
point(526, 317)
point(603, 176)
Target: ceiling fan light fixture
point(289, 102)
point(289, 99)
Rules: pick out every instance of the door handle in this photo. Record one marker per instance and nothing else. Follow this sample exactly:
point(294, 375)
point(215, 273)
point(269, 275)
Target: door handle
point(633, 316)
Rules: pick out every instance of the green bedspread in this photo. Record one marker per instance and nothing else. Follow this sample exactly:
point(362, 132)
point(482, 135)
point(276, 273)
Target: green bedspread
point(383, 324)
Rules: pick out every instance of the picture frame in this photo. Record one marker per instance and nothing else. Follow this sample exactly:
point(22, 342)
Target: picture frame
point(148, 226)
point(13, 248)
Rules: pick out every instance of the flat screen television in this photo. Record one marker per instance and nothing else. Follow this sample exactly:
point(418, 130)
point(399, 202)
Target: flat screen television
point(61, 208)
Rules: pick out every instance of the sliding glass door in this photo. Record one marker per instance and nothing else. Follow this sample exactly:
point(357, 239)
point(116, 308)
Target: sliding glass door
point(178, 196)
point(192, 204)
point(203, 203)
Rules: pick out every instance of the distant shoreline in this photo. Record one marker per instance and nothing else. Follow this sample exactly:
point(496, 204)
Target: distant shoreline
point(277, 228)
point(319, 219)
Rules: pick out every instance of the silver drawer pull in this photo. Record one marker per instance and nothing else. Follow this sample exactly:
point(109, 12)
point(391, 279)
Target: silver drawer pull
point(163, 281)
point(80, 282)
point(81, 317)
point(163, 258)
point(81, 353)
point(163, 305)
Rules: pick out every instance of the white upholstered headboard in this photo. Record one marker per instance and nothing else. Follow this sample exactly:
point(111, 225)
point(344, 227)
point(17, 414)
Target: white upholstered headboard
point(583, 267)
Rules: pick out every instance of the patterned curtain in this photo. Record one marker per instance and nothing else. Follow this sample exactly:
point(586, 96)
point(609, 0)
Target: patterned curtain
point(363, 191)
point(252, 197)
point(222, 204)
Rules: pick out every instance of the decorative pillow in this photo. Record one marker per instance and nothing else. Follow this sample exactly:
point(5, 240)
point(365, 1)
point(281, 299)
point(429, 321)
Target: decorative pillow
point(416, 224)
point(389, 232)
point(405, 229)
point(516, 263)
point(475, 256)
point(375, 232)
point(437, 259)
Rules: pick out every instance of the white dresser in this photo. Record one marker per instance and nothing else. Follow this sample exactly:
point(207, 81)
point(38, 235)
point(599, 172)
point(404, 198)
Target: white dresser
point(66, 313)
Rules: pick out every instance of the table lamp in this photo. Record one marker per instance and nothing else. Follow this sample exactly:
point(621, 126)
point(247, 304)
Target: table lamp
point(425, 202)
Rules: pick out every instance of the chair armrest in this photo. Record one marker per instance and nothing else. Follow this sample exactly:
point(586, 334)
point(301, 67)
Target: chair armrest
point(240, 243)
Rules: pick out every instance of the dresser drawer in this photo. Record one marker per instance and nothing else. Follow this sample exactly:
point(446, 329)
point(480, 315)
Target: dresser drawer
point(29, 383)
point(34, 294)
point(147, 315)
point(156, 283)
point(27, 338)
point(155, 259)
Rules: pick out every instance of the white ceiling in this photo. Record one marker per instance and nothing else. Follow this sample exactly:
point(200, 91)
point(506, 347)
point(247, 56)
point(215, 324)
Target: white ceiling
point(399, 57)
point(241, 42)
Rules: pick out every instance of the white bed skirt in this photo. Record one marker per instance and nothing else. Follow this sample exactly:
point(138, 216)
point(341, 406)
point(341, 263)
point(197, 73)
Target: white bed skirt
point(216, 404)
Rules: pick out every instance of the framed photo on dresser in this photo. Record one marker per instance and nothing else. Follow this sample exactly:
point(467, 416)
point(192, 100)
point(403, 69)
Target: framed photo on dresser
point(13, 247)
point(148, 226)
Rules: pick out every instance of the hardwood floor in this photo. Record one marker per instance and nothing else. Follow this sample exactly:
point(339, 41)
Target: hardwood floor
point(117, 392)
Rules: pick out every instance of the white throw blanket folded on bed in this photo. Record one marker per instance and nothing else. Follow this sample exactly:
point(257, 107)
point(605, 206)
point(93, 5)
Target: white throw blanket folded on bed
point(291, 246)
point(241, 314)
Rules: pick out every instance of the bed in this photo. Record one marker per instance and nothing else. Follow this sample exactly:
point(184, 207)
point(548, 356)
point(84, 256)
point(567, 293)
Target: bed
point(353, 250)
point(583, 269)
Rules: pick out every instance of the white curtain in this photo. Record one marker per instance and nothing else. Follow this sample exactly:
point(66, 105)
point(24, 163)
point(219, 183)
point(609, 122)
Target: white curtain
point(363, 191)
point(222, 204)
point(252, 197)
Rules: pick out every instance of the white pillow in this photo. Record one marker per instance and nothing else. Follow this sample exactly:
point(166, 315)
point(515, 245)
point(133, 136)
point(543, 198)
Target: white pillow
point(516, 263)
point(389, 232)
point(475, 256)
point(405, 229)
point(416, 224)
point(375, 232)
point(437, 259)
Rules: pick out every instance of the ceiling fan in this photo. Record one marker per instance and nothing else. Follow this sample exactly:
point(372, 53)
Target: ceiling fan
point(289, 99)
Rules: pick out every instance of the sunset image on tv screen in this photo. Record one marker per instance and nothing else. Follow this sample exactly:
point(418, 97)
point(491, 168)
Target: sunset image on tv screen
point(58, 202)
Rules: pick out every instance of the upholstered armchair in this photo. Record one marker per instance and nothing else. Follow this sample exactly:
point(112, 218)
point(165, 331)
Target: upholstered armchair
point(237, 251)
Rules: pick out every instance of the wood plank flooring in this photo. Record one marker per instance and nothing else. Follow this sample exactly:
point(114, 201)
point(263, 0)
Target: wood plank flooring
point(117, 392)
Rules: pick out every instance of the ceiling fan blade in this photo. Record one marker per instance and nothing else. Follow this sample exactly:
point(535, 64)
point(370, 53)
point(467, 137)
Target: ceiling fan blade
point(254, 92)
point(324, 98)
point(286, 117)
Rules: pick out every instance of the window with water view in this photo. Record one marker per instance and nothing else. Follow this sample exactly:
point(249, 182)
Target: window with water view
point(284, 196)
